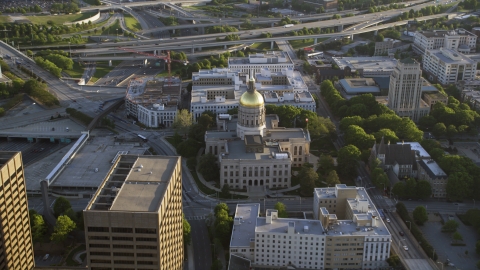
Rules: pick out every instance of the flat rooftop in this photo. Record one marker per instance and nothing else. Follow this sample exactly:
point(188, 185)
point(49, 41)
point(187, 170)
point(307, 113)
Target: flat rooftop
point(270, 57)
point(450, 56)
point(368, 64)
point(417, 147)
point(280, 225)
point(247, 215)
point(147, 91)
point(98, 152)
point(135, 184)
point(432, 168)
point(236, 150)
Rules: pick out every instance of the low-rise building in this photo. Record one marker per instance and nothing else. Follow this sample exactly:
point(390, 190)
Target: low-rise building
point(430, 171)
point(358, 86)
point(274, 61)
point(400, 158)
point(376, 66)
point(448, 66)
point(459, 40)
point(153, 101)
point(343, 217)
point(434, 98)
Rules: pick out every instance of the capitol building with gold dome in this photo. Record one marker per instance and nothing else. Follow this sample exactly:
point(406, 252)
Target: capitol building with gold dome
point(251, 112)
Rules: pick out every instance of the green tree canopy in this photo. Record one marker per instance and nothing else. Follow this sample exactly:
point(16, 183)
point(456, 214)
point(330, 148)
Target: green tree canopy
point(207, 166)
point(420, 215)
point(325, 164)
point(37, 225)
point(187, 237)
point(60, 206)
point(457, 237)
point(450, 226)
point(307, 176)
point(399, 189)
point(63, 227)
point(183, 121)
point(458, 186)
point(282, 210)
point(332, 178)
point(424, 189)
point(347, 159)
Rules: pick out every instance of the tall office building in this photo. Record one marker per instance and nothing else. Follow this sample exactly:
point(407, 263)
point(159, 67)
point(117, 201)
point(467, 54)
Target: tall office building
point(405, 90)
point(16, 248)
point(134, 221)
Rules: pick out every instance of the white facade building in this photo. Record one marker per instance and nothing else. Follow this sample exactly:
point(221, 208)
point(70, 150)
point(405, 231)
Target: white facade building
point(375, 66)
point(273, 60)
point(458, 40)
point(448, 66)
point(358, 241)
point(153, 102)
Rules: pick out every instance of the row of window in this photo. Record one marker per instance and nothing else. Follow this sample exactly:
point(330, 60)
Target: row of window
point(122, 230)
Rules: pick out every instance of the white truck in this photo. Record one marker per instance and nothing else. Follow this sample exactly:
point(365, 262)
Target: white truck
point(287, 25)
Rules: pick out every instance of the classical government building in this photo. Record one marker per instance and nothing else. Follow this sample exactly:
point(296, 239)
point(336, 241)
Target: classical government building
point(134, 220)
point(346, 232)
point(252, 149)
point(16, 248)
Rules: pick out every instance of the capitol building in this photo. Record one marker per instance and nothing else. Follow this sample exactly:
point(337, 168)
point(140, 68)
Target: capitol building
point(252, 150)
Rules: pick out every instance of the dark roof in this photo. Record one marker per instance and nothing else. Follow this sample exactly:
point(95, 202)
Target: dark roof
point(396, 153)
point(253, 140)
point(439, 174)
point(238, 263)
point(331, 72)
point(408, 61)
point(383, 82)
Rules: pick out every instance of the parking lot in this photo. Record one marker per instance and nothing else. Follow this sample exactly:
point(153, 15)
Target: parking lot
point(52, 259)
point(441, 243)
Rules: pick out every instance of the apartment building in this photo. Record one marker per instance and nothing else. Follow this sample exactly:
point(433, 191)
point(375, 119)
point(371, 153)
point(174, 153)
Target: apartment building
point(16, 247)
point(430, 171)
point(459, 40)
point(134, 220)
point(448, 66)
point(272, 60)
point(405, 90)
point(358, 241)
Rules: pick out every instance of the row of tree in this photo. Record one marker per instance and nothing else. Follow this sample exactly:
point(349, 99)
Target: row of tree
point(47, 65)
point(23, 10)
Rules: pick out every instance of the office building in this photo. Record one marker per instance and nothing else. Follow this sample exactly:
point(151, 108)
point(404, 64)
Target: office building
point(430, 171)
point(448, 66)
point(405, 91)
point(274, 61)
point(134, 220)
point(253, 150)
point(153, 101)
point(16, 247)
point(343, 216)
point(375, 66)
point(458, 40)
point(219, 90)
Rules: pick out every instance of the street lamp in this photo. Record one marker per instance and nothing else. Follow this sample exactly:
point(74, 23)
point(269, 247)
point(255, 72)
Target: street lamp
point(410, 223)
point(117, 33)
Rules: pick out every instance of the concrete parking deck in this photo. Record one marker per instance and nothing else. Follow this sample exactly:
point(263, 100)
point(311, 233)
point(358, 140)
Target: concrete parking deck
point(44, 130)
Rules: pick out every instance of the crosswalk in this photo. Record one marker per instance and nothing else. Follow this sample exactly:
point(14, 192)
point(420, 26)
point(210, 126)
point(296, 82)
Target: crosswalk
point(195, 218)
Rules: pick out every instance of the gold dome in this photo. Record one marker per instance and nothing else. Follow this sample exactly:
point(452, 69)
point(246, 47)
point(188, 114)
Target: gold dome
point(251, 99)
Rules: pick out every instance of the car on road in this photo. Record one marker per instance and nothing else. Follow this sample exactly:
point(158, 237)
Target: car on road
point(46, 257)
point(405, 248)
point(401, 233)
point(388, 220)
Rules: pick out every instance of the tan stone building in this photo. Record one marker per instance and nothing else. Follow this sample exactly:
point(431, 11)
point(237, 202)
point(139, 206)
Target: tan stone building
point(16, 248)
point(433, 98)
point(134, 221)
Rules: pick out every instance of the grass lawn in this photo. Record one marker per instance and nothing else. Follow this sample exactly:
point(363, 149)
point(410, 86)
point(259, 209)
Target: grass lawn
point(297, 44)
point(112, 29)
point(59, 19)
point(76, 72)
point(103, 69)
point(4, 19)
point(264, 46)
point(322, 145)
point(70, 261)
point(132, 23)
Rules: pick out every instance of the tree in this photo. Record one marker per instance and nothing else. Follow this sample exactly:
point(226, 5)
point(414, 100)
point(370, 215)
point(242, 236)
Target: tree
point(188, 148)
point(282, 210)
point(457, 237)
point(388, 135)
point(307, 176)
point(183, 120)
point(439, 129)
point(355, 135)
point(216, 265)
point(458, 186)
point(347, 159)
point(225, 193)
point(60, 206)
point(37, 225)
point(399, 189)
point(420, 215)
point(325, 164)
point(424, 189)
point(477, 247)
point(187, 237)
point(219, 207)
point(63, 227)
point(393, 260)
point(207, 166)
point(410, 188)
point(206, 121)
point(450, 226)
point(478, 265)
point(379, 38)
point(332, 178)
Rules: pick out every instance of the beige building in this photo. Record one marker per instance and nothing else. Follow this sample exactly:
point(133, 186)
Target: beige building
point(458, 40)
point(255, 151)
point(448, 66)
point(405, 90)
point(16, 248)
point(346, 233)
point(433, 98)
point(134, 221)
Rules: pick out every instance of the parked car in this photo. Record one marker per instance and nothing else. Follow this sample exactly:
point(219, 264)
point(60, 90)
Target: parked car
point(401, 233)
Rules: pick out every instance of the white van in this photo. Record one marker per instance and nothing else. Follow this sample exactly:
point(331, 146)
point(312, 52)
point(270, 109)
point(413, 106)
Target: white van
point(46, 257)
